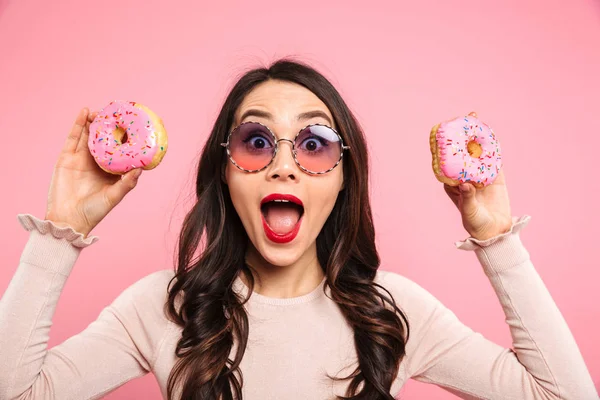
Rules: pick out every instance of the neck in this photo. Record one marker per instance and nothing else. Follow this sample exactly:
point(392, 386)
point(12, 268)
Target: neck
point(276, 281)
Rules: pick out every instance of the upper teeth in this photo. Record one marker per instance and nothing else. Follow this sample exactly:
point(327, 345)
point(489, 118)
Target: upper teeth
point(282, 201)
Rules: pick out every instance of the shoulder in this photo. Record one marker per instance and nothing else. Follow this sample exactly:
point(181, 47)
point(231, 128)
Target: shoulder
point(420, 306)
point(407, 291)
point(155, 281)
point(430, 321)
point(142, 303)
point(150, 288)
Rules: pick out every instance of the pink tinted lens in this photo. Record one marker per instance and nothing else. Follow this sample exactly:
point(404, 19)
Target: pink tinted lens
point(251, 146)
point(318, 148)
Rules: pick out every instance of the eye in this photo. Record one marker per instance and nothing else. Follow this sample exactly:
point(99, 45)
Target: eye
point(257, 141)
point(313, 144)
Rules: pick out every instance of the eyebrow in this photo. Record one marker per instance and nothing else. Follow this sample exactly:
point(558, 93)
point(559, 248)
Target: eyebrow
point(300, 117)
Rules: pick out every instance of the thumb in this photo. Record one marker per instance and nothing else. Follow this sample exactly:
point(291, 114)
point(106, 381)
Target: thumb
point(469, 204)
point(121, 187)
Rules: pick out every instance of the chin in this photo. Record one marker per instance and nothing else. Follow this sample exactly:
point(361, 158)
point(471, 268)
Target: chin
point(278, 255)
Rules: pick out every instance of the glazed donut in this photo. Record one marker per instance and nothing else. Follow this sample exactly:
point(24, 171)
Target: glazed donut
point(127, 135)
point(465, 149)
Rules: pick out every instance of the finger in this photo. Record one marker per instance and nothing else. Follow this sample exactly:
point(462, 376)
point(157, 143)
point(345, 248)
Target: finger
point(453, 193)
point(73, 138)
point(121, 187)
point(92, 116)
point(468, 204)
point(473, 114)
point(82, 145)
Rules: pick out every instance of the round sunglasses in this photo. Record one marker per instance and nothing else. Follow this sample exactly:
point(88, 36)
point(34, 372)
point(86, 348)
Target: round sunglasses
point(317, 148)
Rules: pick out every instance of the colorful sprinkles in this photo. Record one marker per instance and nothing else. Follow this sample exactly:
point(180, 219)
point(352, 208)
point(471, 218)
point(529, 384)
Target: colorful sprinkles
point(137, 151)
point(456, 162)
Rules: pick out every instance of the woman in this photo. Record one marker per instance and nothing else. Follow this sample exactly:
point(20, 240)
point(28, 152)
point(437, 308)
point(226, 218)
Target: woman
point(283, 214)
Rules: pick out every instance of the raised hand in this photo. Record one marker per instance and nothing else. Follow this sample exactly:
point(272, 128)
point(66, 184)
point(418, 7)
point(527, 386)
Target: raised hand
point(81, 194)
point(485, 212)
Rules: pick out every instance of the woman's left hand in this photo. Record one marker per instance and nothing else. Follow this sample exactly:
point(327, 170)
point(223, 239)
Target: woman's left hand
point(485, 212)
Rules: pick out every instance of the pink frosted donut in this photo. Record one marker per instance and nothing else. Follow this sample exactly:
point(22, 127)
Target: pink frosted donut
point(127, 135)
point(465, 150)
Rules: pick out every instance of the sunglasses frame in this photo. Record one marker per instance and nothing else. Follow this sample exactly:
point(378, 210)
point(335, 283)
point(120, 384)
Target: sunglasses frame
point(276, 141)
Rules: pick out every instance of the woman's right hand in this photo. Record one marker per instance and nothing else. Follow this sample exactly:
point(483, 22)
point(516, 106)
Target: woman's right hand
point(81, 194)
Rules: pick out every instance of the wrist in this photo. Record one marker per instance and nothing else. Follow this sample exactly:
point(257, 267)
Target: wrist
point(62, 224)
point(489, 229)
point(488, 234)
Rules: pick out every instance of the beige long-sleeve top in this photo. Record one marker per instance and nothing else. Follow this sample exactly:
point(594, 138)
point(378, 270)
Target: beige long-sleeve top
point(293, 342)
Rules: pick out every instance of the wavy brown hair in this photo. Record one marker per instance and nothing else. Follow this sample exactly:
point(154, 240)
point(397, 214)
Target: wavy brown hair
point(212, 246)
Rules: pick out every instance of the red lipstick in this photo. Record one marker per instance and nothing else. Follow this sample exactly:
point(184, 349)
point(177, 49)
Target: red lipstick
point(276, 237)
point(280, 196)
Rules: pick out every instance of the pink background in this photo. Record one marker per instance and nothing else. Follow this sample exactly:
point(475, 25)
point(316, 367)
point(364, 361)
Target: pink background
point(529, 68)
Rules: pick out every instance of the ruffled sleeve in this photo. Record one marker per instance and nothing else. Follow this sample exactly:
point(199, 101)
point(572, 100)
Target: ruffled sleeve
point(500, 252)
point(29, 223)
point(52, 247)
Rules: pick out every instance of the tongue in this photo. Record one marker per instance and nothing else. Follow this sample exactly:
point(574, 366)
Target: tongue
point(281, 217)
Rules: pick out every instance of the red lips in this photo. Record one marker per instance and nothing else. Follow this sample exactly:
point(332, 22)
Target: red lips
point(279, 196)
point(276, 237)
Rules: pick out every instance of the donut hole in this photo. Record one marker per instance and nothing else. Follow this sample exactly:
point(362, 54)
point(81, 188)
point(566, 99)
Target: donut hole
point(120, 135)
point(474, 149)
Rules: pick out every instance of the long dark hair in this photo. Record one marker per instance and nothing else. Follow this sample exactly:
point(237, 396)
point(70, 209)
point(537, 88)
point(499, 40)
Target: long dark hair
point(213, 243)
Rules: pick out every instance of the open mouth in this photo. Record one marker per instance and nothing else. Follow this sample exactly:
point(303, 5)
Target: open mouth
point(282, 216)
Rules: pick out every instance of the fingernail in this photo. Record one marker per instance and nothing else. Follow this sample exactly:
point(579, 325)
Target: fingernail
point(137, 173)
point(463, 187)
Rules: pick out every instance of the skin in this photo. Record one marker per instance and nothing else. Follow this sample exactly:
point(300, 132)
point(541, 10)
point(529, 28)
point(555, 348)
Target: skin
point(290, 269)
point(81, 194)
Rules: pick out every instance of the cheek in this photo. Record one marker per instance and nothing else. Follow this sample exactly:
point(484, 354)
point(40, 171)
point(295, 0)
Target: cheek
point(324, 196)
point(239, 189)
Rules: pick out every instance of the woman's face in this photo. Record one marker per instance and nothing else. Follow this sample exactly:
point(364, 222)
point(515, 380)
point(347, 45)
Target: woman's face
point(280, 105)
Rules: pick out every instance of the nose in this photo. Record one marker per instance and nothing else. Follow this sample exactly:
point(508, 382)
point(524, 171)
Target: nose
point(284, 166)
